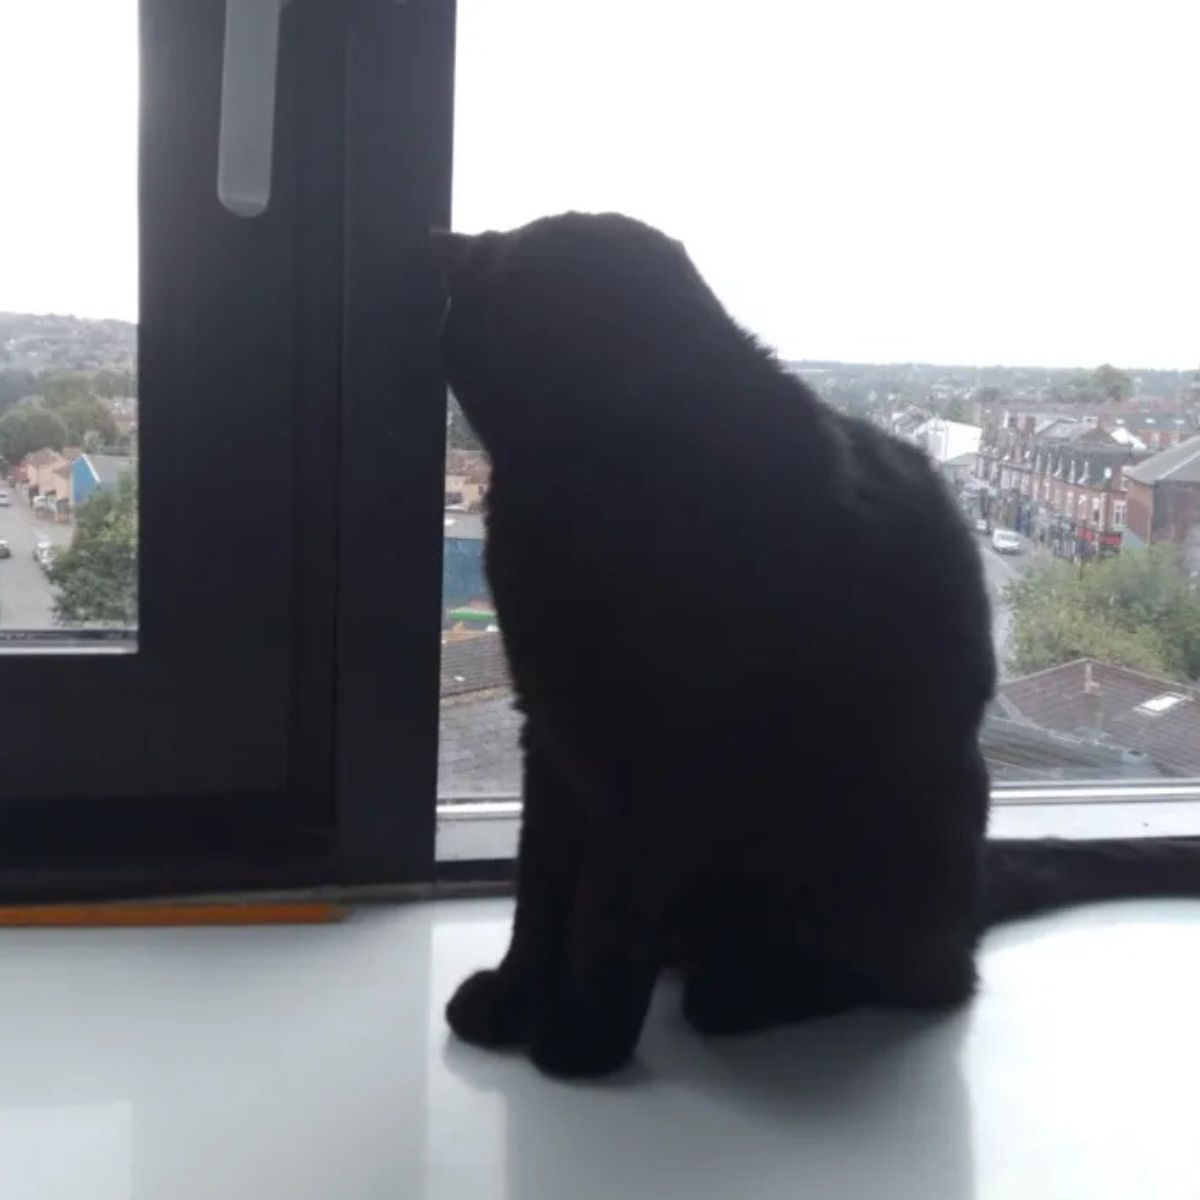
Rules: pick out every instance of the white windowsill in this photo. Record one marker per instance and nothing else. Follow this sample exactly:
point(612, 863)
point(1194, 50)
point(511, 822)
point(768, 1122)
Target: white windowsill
point(302, 1063)
point(487, 829)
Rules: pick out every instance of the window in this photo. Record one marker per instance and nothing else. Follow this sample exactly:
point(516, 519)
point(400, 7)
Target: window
point(1118, 510)
point(866, 166)
point(68, 337)
point(293, 519)
point(1161, 704)
point(277, 408)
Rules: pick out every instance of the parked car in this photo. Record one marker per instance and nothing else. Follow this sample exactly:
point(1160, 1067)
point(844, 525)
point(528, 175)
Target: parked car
point(1004, 541)
point(5, 549)
point(5, 499)
point(983, 525)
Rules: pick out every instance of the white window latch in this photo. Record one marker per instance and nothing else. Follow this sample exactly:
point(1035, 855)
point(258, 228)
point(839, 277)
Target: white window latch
point(248, 105)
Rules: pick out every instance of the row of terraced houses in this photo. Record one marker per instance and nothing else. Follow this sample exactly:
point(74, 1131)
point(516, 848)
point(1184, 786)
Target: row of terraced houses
point(1085, 482)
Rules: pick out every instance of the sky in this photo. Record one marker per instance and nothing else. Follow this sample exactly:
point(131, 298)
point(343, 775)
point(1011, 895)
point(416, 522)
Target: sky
point(963, 182)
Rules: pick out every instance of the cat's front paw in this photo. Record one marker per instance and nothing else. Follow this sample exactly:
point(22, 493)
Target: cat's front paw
point(571, 1042)
point(489, 1009)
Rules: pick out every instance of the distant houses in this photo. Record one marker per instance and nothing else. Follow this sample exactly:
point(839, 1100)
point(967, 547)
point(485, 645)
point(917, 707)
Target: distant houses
point(92, 473)
point(1067, 476)
point(468, 475)
point(944, 440)
point(44, 479)
point(54, 483)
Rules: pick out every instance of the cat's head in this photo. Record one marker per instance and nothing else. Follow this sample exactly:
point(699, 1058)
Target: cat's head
point(564, 322)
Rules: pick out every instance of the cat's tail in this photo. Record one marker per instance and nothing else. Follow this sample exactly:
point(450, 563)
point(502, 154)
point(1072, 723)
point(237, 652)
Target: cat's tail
point(1026, 876)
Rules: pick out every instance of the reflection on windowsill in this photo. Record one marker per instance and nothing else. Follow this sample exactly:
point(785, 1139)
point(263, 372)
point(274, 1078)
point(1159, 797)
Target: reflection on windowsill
point(68, 641)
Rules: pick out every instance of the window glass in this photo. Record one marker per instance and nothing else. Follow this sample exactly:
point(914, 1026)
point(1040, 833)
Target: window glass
point(972, 225)
point(68, 311)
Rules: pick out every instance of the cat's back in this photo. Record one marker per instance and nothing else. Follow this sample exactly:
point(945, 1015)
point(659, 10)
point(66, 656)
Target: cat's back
point(764, 542)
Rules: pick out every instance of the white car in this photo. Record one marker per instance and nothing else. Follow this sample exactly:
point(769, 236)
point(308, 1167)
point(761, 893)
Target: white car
point(5, 500)
point(1004, 541)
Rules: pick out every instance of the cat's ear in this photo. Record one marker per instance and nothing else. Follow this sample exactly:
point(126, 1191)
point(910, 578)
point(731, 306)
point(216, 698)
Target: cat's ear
point(452, 252)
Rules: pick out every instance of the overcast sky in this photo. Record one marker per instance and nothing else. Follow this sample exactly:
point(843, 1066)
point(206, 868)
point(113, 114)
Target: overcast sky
point(957, 181)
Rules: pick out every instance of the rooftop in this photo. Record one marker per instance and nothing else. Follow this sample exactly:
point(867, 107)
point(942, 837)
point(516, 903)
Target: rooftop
point(1180, 464)
point(1111, 707)
point(1080, 720)
point(107, 468)
point(473, 664)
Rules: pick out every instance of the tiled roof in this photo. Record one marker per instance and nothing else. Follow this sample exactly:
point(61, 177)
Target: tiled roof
point(1016, 751)
point(107, 468)
point(1100, 703)
point(478, 752)
point(1150, 422)
point(1180, 464)
point(1041, 727)
point(473, 664)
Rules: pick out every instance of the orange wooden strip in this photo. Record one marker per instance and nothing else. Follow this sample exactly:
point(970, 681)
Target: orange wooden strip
point(74, 916)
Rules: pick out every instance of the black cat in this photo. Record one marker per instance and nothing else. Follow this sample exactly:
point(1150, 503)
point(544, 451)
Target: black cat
point(750, 638)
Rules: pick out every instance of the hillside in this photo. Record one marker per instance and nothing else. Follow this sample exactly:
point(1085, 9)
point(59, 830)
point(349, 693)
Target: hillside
point(47, 342)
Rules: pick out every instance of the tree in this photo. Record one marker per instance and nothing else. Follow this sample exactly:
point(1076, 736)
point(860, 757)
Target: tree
point(1105, 385)
point(27, 428)
point(110, 382)
point(1138, 610)
point(1114, 385)
point(95, 580)
point(958, 408)
point(15, 384)
point(60, 388)
point(88, 415)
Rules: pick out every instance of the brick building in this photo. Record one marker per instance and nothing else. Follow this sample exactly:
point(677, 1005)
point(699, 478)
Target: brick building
point(1164, 500)
point(1059, 481)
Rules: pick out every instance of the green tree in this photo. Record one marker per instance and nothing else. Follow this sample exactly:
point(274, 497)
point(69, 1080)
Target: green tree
point(1138, 610)
point(15, 384)
point(1105, 385)
point(988, 395)
point(1113, 384)
point(60, 388)
point(95, 580)
point(88, 415)
point(109, 382)
point(27, 428)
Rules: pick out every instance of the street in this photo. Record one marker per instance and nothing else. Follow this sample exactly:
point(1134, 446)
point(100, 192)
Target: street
point(999, 570)
point(26, 598)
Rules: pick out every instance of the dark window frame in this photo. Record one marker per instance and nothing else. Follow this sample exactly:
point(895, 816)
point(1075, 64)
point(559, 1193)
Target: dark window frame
point(314, 324)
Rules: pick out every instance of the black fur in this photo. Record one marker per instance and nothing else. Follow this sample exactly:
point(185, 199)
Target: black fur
point(750, 638)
